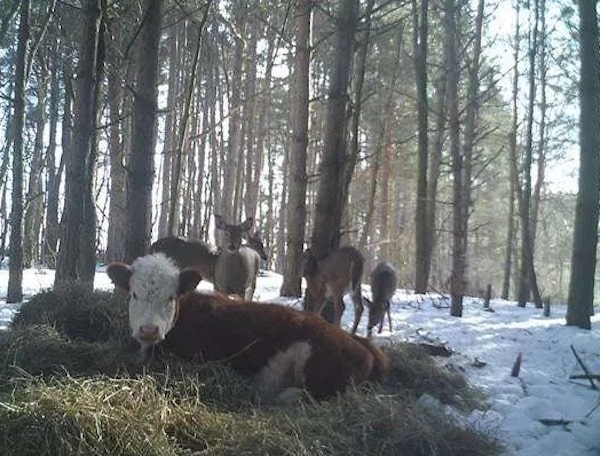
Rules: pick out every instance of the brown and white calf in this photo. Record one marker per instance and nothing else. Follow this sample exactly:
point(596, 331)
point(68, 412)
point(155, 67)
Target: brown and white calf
point(279, 348)
point(331, 277)
point(383, 286)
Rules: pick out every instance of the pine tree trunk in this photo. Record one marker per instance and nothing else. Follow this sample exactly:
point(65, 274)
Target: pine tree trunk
point(115, 244)
point(458, 284)
point(525, 200)
point(84, 119)
point(15, 270)
point(585, 237)
point(296, 204)
point(139, 195)
point(422, 259)
point(32, 222)
point(512, 158)
point(52, 173)
point(330, 204)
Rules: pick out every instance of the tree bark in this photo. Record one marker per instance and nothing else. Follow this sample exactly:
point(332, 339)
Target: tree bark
point(526, 250)
point(296, 205)
point(15, 269)
point(585, 237)
point(330, 204)
point(422, 259)
point(512, 158)
point(84, 119)
point(32, 222)
point(141, 173)
point(115, 243)
point(52, 173)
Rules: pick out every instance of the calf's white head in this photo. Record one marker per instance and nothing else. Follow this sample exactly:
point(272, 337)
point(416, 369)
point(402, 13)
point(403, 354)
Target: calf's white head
point(153, 283)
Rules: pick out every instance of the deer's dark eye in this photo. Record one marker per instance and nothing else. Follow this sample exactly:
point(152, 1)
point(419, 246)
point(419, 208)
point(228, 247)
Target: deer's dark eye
point(134, 295)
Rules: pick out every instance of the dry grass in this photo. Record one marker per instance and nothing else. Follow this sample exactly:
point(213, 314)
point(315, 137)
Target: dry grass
point(63, 392)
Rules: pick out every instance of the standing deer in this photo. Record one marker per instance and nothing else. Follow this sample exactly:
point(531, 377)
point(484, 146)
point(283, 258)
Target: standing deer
point(331, 277)
point(237, 265)
point(383, 287)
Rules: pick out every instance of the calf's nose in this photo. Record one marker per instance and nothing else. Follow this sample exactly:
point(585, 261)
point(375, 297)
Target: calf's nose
point(148, 332)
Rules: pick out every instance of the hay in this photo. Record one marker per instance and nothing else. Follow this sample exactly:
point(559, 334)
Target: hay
point(64, 391)
point(78, 313)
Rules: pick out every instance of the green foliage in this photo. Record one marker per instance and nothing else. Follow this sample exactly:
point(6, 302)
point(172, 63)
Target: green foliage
point(64, 393)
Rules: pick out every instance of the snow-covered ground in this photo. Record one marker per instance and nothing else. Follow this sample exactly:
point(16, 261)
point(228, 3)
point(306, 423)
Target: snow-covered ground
point(541, 412)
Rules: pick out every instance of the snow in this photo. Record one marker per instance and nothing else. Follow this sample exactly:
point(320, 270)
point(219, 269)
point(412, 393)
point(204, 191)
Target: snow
point(540, 412)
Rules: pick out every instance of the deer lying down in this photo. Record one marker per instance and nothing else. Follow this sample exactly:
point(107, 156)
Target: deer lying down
point(280, 349)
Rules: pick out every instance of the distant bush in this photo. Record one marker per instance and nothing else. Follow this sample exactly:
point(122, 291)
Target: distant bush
point(70, 384)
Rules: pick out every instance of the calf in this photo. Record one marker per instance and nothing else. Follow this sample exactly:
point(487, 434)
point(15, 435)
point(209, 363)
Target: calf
point(383, 287)
point(277, 347)
point(331, 277)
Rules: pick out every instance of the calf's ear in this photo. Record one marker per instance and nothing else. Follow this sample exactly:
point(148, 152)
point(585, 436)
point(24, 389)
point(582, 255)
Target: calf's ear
point(119, 274)
point(188, 280)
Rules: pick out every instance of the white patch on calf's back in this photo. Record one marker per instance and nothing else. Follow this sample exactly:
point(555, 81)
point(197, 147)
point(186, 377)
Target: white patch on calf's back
point(284, 369)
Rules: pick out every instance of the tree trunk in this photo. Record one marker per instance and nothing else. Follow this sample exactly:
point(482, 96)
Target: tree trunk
point(422, 259)
point(231, 159)
point(170, 123)
point(296, 204)
point(251, 154)
point(458, 278)
point(381, 143)
point(525, 278)
point(512, 157)
point(330, 204)
point(52, 173)
point(585, 237)
point(32, 222)
point(15, 270)
point(541, 152)
point(87, 253)
point(115, 243)
point(141, 174)
point(84, 118)
point(183, 126)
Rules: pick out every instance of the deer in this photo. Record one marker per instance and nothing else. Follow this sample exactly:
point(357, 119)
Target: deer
point(188, 252)
point(331, 277)
point(255, 242)
point(237, 265)
point(281, 350)
point(383, 286)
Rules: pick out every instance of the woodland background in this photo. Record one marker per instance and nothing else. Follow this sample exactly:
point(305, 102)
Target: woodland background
point(437, 123)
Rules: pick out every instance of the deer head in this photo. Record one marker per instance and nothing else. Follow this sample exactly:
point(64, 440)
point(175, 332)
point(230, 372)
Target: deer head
point(233, 233)
point(255, 242)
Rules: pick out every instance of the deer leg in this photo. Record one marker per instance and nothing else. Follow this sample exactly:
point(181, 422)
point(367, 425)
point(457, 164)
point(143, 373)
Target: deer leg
point(389, 316)
point(338, 309)
point(358, 311)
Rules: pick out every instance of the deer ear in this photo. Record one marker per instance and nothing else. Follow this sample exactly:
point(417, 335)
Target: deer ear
point(188, 280)
point(219, 222)
point(248, 223)
point(119, 274)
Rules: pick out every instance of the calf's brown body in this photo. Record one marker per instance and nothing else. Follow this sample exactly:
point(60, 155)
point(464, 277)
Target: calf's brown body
point(277, 346)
